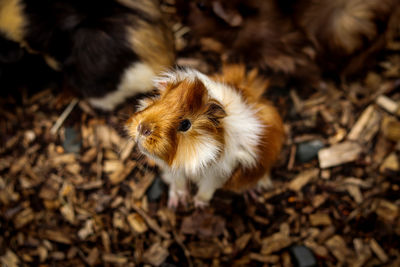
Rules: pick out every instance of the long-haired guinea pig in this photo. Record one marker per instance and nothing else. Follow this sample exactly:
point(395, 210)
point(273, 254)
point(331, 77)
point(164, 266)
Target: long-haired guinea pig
point(347, 33)
point(255, 32)
point(214, 132)
point(108, 50)
point(299, 38)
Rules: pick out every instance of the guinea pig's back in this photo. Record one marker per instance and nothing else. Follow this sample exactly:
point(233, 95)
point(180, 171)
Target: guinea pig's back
point(251, 87)
point(117, 55)
point(108, 51)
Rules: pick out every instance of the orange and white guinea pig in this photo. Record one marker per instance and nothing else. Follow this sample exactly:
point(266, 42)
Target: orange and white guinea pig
point(215, 132)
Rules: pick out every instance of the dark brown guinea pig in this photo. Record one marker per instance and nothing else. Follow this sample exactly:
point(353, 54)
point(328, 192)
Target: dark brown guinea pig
point(347, 33)
point(108, 50)
point(299, 38)
point(257, 33)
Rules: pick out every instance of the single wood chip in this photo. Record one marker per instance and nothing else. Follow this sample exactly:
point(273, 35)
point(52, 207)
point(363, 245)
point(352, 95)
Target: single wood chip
point(10, 259)
point(275, 243)
point(105, 239)
point(93, 256)
point(151, 222)
point(57, 236)
point(360, 124)
point(91, 185)
point(23, 218)
point(113, 258)
point(378, 250)
point(63, 159)
point(272, 259)
point(363, 252)
point(302, 179)
point(18, 165)
point(141, 187)
point(366, 126)
point(204, 250)
point(156, 254)
point(64, 116)
point(355, 193)
point(390, 163)
point(318, 219)
point(68, 213)
point(112, 165)
point(387, 104)
point(127, 150)
point(87, 230)
point(319, 200)
point(121, 174)
point(391, 128)
point(297, 102)
point(242, 241)
point(386, 210)
point(339, 154)
point(358, 182)
point(103, 135)
point(316, 248)
point(89, 155)
point(338, 248)
point(137, 223)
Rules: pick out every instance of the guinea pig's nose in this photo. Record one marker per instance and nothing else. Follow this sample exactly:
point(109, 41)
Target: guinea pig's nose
point(144, 129)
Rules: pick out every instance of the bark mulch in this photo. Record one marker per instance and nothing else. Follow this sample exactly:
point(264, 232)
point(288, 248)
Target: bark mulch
point(74, 191)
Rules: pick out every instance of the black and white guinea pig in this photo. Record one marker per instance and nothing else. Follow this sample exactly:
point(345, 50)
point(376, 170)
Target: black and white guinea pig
point(108, 50)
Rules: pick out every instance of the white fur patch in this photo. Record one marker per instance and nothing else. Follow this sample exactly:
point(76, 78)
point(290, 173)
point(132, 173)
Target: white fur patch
point(206, 151)
point(175, 76)
point(136, 79)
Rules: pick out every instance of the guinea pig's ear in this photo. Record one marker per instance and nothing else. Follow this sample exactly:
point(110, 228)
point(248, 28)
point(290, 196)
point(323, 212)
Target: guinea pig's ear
point(215, 111)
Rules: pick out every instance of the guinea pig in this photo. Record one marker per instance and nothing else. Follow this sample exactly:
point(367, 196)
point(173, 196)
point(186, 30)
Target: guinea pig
point(347, 33)
point(298, 38)
point(108, 51)
point(255, 32)
point(215, 132)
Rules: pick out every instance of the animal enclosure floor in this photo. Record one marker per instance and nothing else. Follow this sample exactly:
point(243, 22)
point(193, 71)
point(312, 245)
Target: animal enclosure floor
point(75, 192)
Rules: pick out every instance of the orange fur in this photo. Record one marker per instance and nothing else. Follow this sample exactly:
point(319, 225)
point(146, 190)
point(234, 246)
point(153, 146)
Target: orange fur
point(252, 86)
point(190, 99)
point(186, 100)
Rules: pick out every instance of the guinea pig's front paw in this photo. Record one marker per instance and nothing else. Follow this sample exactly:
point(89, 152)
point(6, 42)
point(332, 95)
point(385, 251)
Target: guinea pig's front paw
point(200, 203)
point(176, 197)
point(183, 197)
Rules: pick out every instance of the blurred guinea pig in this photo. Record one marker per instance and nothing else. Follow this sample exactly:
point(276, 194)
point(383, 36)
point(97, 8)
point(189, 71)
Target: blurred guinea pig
point(298, 38)
point(255, 32)
point(214, 132)
point(108, 50)
point(347, 34)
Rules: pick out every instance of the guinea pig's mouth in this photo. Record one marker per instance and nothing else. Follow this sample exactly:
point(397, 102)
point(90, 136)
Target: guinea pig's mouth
point(147, 153)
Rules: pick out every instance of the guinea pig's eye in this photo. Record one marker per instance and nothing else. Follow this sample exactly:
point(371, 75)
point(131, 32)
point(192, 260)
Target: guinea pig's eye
point(201, 5)
point(184, 125)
